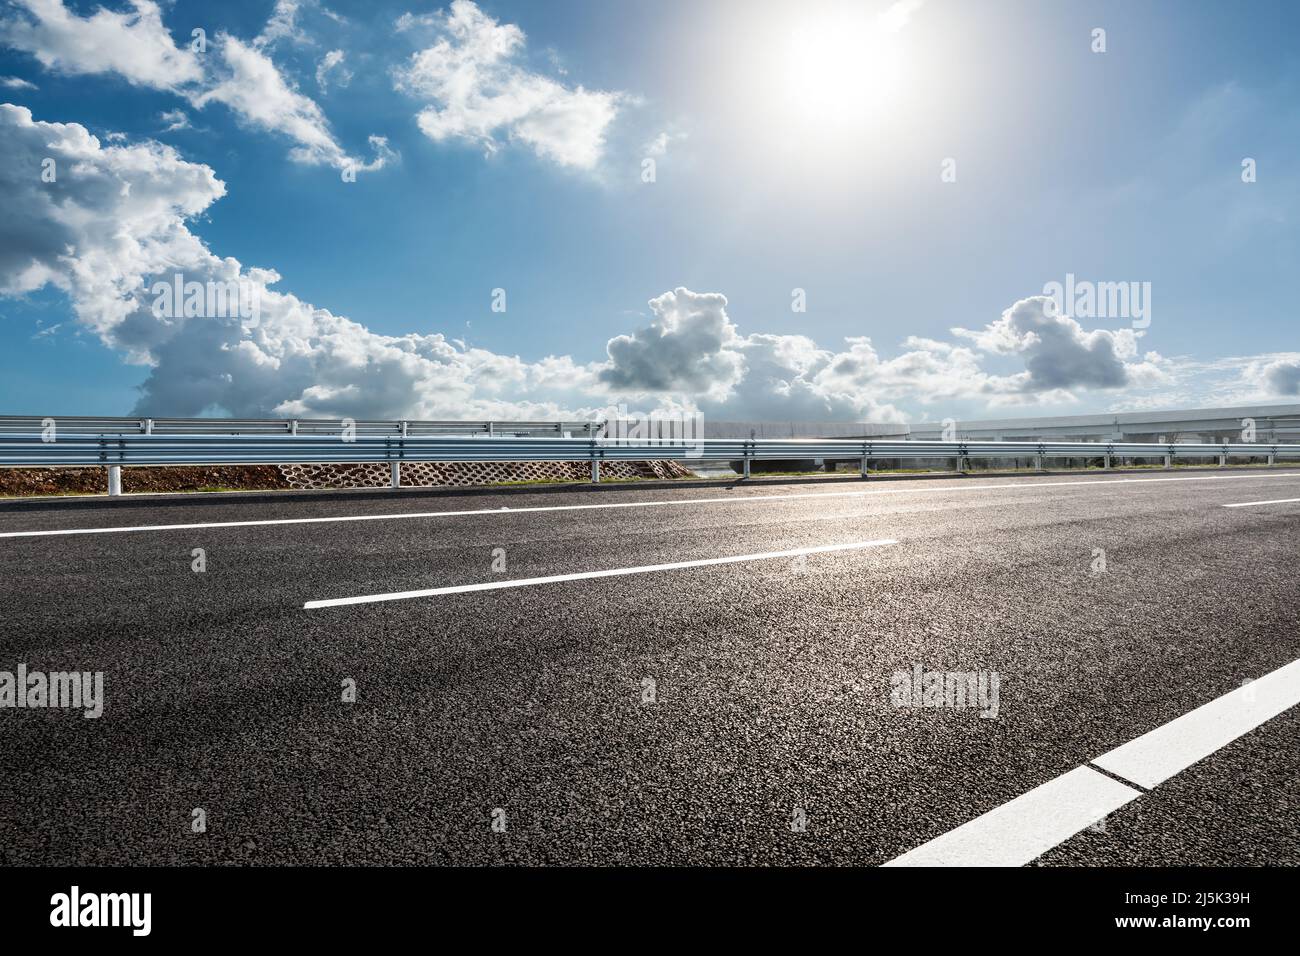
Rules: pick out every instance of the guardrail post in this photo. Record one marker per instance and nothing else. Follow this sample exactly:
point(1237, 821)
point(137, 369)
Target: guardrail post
point(1271, 460)
point(595, 462)
point(746, 464)
point(395, 464)
point(1223, 459)
point(1169, 460)
point(115, 480)
point(865, 472)
point(1105, 462)
point(1038, 463)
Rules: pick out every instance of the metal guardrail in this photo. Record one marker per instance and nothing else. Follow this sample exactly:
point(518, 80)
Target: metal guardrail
point(32, 424)
point(65, 449)
point(60, 448)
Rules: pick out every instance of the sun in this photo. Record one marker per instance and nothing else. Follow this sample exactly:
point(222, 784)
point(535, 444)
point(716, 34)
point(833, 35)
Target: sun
point(842, 68)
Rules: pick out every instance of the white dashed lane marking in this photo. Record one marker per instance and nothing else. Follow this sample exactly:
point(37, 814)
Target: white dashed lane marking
point(1023, 829)
point(1028, 826)
point(1156, 756)
point(1251, 504)
point(585, 575)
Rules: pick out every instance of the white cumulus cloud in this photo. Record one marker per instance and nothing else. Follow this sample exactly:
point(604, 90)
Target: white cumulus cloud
point(1276, 375)
point(1059, 354)
point(134, 45)
point(173, 120)
point(283, 25)
point(480, 91)
point(258, 92)
point(693, 352)
point(114, 221)
point(137, 46)
point(332, 63)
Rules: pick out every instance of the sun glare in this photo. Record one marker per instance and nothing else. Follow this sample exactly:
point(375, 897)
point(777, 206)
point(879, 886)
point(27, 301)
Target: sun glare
point(841, 68)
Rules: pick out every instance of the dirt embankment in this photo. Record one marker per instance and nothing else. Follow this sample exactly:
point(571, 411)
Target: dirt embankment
point(92, 481)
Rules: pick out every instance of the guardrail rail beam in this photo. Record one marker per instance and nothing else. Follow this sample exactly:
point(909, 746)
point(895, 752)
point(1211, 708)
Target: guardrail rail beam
point(137, 447)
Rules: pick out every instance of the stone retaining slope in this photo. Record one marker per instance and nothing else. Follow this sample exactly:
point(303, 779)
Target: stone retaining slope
point(440, 473)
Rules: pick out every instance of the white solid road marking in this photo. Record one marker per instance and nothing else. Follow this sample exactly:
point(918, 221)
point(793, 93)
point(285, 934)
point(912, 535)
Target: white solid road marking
point(1275, 501)
point(676, 502)
point(1156, 756)
point(583, 575)
point(1028, 826)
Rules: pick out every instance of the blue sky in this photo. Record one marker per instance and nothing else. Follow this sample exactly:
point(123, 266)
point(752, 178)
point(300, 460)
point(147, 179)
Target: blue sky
point(797, 146)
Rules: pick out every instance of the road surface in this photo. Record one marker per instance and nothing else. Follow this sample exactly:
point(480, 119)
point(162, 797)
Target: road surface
point(647, 702)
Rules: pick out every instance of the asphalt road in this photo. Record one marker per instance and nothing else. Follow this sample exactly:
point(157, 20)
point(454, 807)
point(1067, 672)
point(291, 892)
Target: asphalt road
point(688, 715)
